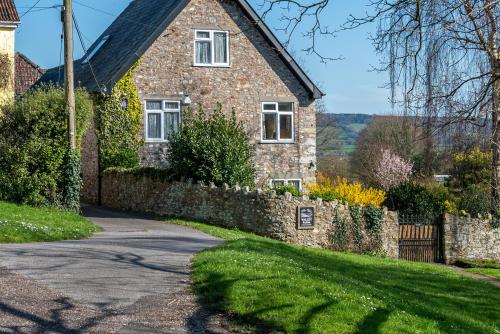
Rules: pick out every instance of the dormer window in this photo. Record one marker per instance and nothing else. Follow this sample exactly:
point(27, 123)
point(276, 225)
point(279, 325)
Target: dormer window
point(211, 48)
point(96, 49)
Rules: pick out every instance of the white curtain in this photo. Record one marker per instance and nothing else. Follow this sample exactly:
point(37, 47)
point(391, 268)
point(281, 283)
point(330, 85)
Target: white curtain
point(154, 126)
point(220, 47)
point(269, 125)
point(203, 52)
point(171, 124)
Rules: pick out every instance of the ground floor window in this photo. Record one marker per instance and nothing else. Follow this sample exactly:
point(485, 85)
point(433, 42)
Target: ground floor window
point(286, 182)
point(163, 118)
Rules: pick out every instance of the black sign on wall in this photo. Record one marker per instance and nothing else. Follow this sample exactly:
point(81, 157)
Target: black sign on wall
point(305, 218)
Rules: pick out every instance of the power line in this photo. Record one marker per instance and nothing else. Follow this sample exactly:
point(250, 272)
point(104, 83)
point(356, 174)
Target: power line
point(31, 8)
point(80, 37)
point(113, 15)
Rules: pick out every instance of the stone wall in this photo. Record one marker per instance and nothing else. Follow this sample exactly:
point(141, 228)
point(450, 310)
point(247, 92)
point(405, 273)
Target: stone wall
point(255, 211)
point(90, 166)
point(256, 74)
point(470, 239)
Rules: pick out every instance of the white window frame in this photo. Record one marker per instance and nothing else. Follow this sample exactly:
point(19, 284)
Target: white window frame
point(278, 139)
point(162, 112)
point(285, 182)
point(212, 49)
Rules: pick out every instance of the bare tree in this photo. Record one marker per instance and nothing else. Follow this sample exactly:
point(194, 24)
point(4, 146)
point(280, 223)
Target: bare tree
point(304, 16)
point(443, 57)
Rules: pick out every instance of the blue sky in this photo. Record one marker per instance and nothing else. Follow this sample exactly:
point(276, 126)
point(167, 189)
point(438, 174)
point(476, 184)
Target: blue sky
point(349, 84)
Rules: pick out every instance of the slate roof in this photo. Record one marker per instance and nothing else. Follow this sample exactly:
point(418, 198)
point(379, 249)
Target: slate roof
point(8, 12)
point(135, 30)
point(27, 73)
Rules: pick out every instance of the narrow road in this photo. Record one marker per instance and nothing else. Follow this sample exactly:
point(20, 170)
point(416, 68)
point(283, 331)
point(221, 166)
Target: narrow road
point(132, 278)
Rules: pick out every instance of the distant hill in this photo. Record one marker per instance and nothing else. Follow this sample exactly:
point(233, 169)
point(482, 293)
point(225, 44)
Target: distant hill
point(337, 133)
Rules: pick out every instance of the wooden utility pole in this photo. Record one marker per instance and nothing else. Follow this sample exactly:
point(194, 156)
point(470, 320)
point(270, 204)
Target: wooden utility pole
point(69, 77)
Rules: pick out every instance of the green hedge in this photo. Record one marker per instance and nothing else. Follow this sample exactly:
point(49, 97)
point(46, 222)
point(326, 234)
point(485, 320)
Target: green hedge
point(36, 167)
point(416, 199)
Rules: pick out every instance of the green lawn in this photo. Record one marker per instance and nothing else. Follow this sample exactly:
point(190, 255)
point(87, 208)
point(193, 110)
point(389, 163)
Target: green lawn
point(491, 272)
point(278, 287)
point(27, 224)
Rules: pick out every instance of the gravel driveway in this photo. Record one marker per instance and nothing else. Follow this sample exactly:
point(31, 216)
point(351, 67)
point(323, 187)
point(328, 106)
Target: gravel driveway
point(132, 278)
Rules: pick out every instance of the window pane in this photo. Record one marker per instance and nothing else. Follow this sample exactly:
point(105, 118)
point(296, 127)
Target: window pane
point(171, 123)
point(269, 127)
point(270, 106)
point(203, 53)
point(172, 105)
point(220, 47)
point(202, 34)
point(153, 105)
point(278, 183)
point(154, 126)
point(286, 127)
point(294, 183)
point(285, 107)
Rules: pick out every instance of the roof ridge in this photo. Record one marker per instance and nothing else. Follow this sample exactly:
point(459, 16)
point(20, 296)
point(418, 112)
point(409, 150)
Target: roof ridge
point(28, 60)
point(112, 65)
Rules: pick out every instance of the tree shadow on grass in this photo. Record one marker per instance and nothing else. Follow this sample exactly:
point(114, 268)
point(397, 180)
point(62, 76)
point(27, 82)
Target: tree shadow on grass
point(425, 291)
point(213, 297)
point(373, 322)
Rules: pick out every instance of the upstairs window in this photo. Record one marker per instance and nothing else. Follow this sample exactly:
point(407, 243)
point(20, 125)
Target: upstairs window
point(211, 48)
point(277, 122)
point(162, 120)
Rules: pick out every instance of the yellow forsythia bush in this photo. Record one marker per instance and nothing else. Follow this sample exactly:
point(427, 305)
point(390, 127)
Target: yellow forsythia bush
point(354, 193)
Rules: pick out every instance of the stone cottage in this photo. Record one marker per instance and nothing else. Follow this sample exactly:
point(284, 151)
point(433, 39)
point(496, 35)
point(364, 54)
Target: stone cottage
point(201, 52)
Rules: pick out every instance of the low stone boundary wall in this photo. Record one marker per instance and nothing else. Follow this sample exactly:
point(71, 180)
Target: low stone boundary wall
point(470, 239)
point(265, 214)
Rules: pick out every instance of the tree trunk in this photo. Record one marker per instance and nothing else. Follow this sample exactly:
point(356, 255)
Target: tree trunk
point(495, 140)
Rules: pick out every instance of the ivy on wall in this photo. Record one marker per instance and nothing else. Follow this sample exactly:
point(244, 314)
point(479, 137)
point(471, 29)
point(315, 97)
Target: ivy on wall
point(374, 219)
point(340, 234)
point(359, 230)
point(357, 225)
point(118, 128)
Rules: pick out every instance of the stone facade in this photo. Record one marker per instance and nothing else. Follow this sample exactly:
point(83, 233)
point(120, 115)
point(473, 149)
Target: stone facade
point(255, 211)
point(470, 239)
point(255, 74)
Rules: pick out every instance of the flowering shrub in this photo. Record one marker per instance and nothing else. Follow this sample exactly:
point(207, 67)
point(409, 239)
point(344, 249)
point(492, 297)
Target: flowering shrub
point(342, 190)
point(392, 170)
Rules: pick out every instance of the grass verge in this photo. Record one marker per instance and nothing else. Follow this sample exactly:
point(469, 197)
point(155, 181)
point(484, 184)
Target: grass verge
point(26, 224)
point(490, 272)
point(277, 287)
point(488, 268)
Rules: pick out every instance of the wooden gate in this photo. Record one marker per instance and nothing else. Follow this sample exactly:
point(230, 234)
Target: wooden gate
point(420, 239)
